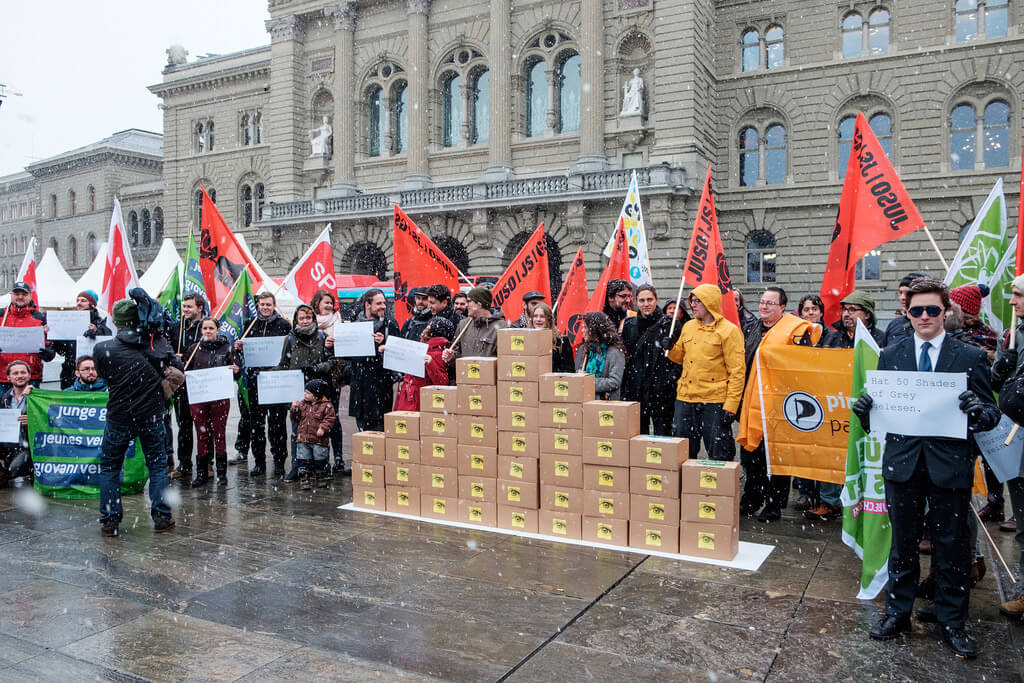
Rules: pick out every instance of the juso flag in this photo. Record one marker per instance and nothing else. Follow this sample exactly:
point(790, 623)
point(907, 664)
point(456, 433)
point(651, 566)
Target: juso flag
point(418, 263)
point(573, 299)
point(617, 269)
point(315, 270)
point(27, 271)
point(221, 258)
point(119, 274)
point(632, 217)
point(705, 258)
point(527, 272)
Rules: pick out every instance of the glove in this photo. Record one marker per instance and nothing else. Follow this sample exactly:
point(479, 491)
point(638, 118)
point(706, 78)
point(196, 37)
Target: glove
point(42, 349)
point(727, 418)
point(862, 409)
point(665, 343)
point(1006, 362)
point(89, 334)
point(971, 404)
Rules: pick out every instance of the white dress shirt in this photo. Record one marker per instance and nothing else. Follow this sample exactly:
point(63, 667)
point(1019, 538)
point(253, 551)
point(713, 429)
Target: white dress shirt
point(933, 352)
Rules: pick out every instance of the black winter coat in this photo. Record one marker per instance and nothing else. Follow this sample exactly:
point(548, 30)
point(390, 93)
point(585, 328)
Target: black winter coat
point(274, 326)
point(562, 357)
point(134, 367)
point(414, 326)
point(372, 388)
point(649, 375)
point(69, 349)
point(218, 353)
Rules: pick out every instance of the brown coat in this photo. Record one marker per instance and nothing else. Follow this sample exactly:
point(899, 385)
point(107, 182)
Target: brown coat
point(311, 416)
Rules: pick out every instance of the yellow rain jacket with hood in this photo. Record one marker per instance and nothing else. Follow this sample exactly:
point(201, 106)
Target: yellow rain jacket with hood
point(711, 356)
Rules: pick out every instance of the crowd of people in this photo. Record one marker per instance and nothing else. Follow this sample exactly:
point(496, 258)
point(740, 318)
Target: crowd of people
point(685, 363)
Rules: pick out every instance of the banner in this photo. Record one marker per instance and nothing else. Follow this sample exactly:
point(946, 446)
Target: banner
point(573, 299)
point(65, 431)
point(221, 258)
point(865, 513)
point(632, 217)
point(617, 269)
point(418, 263)
point(705, 258)
point(27, 271)
point(873, 209)
point(314, 271)
point(119, 274)
point(527, 272)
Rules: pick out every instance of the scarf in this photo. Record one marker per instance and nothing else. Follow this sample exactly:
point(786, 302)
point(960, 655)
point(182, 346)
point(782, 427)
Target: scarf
point(596, 355)
point(325, 323)
point(307, 331)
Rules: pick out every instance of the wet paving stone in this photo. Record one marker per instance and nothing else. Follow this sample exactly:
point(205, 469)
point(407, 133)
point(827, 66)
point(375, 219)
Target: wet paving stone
point(14, 650)
point(309, 664)
point(55, 666)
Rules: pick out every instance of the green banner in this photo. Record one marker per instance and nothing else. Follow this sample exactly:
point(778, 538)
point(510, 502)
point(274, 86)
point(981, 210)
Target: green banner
point(65, 432)
point(866, 526)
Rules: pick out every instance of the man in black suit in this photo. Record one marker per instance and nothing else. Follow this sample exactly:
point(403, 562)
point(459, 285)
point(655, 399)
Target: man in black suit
point(937, 470)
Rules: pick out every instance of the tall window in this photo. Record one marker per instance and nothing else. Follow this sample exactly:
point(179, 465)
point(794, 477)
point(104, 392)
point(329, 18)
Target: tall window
point(464, 87)
point(760, 256)
point(133, 228)
point(748, 156)
point(762, 155)
point(54, 246)
point(551, 73)
point(72, 202)
point(775, 155)
point(158, 225)
point(536, 99)
point(147, 228)
point(773, 47)
point(73, 250)
point(92, 198)
point(975, 19)
point(881, 126)
point(400, 114)
point(961, 145)
point(197, 205)
point(91, 241)
point(53, 206)
point(997, 134)
point(480, 103)
point(870, 267)
point(569, 94)
point(992, 128)
point(756, 51)
point(853, 35)
point(251, 201)
point(250, 128)
point(451, 92)
point(199, 139)
point(245, 131)
point(376, 119)
point(751, 50)
point(866, 38)
point(209, 136)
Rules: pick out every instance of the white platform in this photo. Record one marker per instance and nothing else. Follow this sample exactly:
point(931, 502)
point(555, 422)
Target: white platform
point(749, 557)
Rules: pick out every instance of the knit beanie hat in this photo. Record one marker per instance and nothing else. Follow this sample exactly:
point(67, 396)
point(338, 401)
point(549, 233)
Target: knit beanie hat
point(441, 327)
point(863, 300)
point(126, 313)
point(90, 295)
point(969, 297)
point(317, 387)
point(1018, 282)
point(480, 295)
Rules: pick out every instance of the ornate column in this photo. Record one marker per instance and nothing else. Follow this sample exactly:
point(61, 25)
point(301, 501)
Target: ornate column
point(592, 156)
point(418, 173)
point(499, 158)
point(287, 131)
point(345, 95)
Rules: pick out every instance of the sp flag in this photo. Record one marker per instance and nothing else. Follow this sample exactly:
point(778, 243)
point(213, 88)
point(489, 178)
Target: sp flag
point(705, 258)
point(221, 257)
point(119, 276)
point(314, 271)
point(27, 271)
point(418, 263)
point(527, 272)
point(573, 299)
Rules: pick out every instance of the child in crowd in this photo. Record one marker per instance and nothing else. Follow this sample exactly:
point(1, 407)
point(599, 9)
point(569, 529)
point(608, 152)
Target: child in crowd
point(314, 416)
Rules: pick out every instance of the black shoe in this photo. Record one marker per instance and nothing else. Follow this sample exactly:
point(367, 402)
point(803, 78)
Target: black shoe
point(109, 530)
point(927, 614)
point(326, 475)
point(748, 508)
point(201, 479)
point(769, 516)
point(346, 469)
point(992, 513)
point(889, 627)
point(258, 470)
point(163, 525)
point(961, 643)
point(222, 479)
point(926, 589)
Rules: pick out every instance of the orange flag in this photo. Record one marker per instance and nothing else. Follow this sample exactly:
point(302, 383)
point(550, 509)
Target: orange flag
point(874, 209)
point(705, 258)
point(617, 269)
point(221, 258)
point(527, 272)
point(418, 263)
point(573, 299)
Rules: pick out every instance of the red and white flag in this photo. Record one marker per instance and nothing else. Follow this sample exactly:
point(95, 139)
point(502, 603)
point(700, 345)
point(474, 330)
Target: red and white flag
point(315, 270)
point(119, 274)
point(27, 272)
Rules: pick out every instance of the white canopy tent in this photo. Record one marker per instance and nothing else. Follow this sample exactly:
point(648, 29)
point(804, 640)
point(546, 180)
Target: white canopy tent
point(56, 288)
point(164, 264)
point(286, 303)
point(92, 278)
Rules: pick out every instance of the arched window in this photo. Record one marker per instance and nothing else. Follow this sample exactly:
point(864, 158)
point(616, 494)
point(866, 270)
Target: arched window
point(774, 50)
point(133, 228)
point(451, 93)
point(400, 117)
point(199, 139)
point(73, 250)
point(751, 50)
point(878, 31)
point(760, 256)
point(53, 206)
point(997, 134)
point(92, 198)
point(962, 140)
point(881, 126)
point(455, 251)
point(245, 130)
point(536, 98)
point(762, 151)
point(975, 19)
point(385, 110)
point(871, 37)
point(979, 131)
point(480, 91)
point(569, 86)
point(158, 225)
point(748, 157)
point(93, 250)
point(72, 202)
point(376, 118)
point(853, 35)
point(250, 198)
point(209, 136)
point(246, 201)
point(775, 155)
point(197, 205)
point(54, 246)
point(147, 229)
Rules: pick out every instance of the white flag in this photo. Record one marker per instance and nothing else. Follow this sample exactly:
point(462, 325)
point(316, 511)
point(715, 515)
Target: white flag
point(632, 218)
point(119, 274)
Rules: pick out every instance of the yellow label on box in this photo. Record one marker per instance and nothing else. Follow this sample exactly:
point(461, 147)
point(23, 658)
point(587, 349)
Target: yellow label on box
point(367, 448)
point(439, 450)
point(604, 449)
point(515, 394)
point(561, 388)
point(367, 476)
point(652, 537)
point(561, 468)
point(705, 540)
point(606, 478)
point(514, 494)
point(709, 480)
point(606, 418)
point(518, 369)
point(437, 401)
point(369, 498)
point(440, 507)
point(403, 452)
point(519, 520)
point(517, 342)
point(606, 506)
point(653, 455)
point(656, 511)
point(473, 370)
point(560, 415)
point(562, 442)
point(561, 499)
point(401, 427)
point(403, 498)
point(515, 469)
point(476, 514)
point(519, 444)
point(439, 425)
point(518, 418)
point(476, 489)
point(654, 482)
point(707, 510)
point(476, 461)
point(437, 480)
point(476, 402)
point(402, 474)
point(559, 526)
point(604, 531)
point(476, 430)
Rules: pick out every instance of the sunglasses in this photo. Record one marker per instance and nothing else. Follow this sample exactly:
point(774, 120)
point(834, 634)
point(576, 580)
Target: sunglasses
point(918, 311)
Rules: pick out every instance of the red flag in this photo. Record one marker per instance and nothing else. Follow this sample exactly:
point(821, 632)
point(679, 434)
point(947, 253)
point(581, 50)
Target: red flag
point(705, 258)
point(418, 263)
point(27, 272)
point(1019, 269)
point(617, 269)
point(221, 258)
point(314, 271)
point(873, 209)
point(119, 274)
point(573, 299)
point(527, 272)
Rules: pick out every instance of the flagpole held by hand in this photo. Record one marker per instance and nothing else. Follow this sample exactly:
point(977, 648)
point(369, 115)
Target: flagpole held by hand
point(935, 247)
point(679, 303)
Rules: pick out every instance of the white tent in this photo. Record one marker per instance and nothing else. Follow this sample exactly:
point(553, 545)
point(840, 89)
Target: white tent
point(158, 273)
point(286, 303)
point(56, 288)
point(93, 276)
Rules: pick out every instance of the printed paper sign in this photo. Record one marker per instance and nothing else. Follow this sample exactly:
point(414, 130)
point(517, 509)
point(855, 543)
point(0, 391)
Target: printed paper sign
point(402, 355)
point(21, 339)
point(354, 340)
point(262, 352)
point(280, 386)
point(66, 325)
point(10, 428)
point(917, 403)
point(210, 384)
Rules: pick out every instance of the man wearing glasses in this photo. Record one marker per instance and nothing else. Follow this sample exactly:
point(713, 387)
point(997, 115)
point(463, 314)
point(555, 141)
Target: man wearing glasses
point(932, 470)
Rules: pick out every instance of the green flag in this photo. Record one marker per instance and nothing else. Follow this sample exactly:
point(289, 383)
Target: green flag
point(193, 273)
point(995, 308)
point(170, 297)
point(235, 309)
point(982, 249)
point(865, 514)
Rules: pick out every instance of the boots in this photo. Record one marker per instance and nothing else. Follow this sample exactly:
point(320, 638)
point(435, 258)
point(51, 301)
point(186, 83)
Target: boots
point(259, 468)
point(202, 471)
point(222, 468)
point(306, 484)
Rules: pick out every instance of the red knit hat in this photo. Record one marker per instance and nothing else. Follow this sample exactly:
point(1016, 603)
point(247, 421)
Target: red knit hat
point(969, 297)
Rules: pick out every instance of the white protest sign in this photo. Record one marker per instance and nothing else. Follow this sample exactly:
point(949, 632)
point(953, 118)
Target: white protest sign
point(10, 428)
point(917, 403)
point(262, 352)
point(280, 386)
point(21, 339)
point(66, 324)
point(84, 346)
point(210, 384)
point(1004, 460)
point(402, 355)
point(354, 339)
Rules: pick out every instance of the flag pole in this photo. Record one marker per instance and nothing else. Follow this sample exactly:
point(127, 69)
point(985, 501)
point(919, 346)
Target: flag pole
point(181, 302)
point(935, 247)
point(220, 310)
point(981, 524)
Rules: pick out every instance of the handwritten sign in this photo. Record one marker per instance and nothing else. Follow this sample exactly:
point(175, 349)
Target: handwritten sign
point(354, 339)
point(84, 346)
point(67, 324)
point(917, 403)
point(210, 384)
point(1004, 460)
point(280, 386)
point(21, 339)
point(402, 355)
point(262, 352)
point(10, 428)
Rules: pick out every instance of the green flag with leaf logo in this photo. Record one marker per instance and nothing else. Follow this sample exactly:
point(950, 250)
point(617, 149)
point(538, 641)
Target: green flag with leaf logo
point(982, 251)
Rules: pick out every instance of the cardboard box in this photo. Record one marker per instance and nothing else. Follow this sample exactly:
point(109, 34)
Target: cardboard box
point(605, 479)
point(519, 494)
point(606, 530)
point(524, 368)
point(478, 431)
point(440, 452)
point(478, 461)
point(478, 399)
point(520, 342)
point(659, 452)
point(609, 452)
point(404, 499)
point(478, 488)
point(439, 481)
point(367, 475)
point(566, 387)
point(711, 477)
point(369, 497)
point(560, 524)
point(611, 419)
point(439, 507)
point(401, 474)
point(519, 443)
point(561, 441)
point(444, 425)
point(402, 450)
point(517, 519)
point(652, 482)
point(476, 370)
point(652, 509)
point(606, 504)
point(561, 498)
point(518, 393)
point(653, 536)
point(513, 418)
point(561, 470)
point(561, 415)
point(710, 509)
point(478, 512)
point(369, 447)
point(438, 399)
point(519, 468)
point(714, 541)
point(402, 424)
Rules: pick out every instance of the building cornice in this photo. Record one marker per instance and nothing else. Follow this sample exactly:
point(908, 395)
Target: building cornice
point(95, 158)
point(205, 81)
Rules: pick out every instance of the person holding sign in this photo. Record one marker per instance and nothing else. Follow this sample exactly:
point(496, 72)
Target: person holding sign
point(68, 350)
point(15, 461)
point(86, 378)
point(437, 336)
point(936, 471)
point(372, 387)
point(23, 313)
point(213, 350)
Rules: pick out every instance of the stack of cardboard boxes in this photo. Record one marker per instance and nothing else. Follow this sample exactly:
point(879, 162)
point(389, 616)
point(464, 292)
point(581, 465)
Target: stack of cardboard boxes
point(654, 485)
point(608, 427)
point(710, 516)
point(477, 464)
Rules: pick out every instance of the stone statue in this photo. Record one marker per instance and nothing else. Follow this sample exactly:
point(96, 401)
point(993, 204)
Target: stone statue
point(320, 139)
point(633, 95)
point(176, 55)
